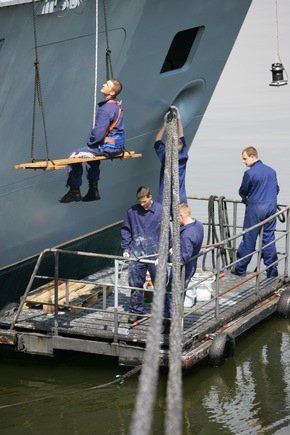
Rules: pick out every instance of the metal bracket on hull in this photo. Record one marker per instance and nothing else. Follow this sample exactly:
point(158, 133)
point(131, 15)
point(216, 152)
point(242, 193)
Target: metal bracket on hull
point(62, 163)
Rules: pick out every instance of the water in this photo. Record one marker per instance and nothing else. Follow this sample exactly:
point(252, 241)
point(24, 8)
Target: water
point(249, 394)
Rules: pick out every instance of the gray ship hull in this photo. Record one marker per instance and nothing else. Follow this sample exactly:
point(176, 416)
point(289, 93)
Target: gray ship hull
point(140, 34)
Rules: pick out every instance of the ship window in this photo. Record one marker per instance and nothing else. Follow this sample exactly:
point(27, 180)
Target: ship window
point(180, 49)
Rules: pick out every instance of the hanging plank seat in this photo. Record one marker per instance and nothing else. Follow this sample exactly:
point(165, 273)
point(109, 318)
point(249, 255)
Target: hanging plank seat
point(62, 163)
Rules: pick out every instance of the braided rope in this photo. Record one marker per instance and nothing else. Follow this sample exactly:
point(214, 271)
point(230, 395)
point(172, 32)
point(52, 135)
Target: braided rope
point(143, 413)
point(174, 383)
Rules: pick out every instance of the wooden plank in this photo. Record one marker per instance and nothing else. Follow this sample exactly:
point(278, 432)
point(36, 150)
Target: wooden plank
point(43, 294)
point(61, 163)
point(88, 296)
point(79, 294)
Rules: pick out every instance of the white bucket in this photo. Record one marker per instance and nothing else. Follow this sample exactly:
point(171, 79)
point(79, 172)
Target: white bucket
point(203, 289)
point(190, 297)
point(203, 294)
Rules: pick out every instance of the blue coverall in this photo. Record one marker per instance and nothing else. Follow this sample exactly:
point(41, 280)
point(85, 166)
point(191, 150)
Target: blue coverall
point(140, 237)
point(182, 160)
point(106, 115)
point(191, 237)
point(260, 189)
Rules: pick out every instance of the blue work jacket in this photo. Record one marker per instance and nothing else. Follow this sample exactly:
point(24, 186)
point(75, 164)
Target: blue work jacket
point(182, 160)
point(141, 230)
point(191, 237)
point(259, 184)
point(106, 115)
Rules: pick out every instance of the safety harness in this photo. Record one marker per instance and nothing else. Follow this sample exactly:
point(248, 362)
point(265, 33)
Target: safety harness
point(109, 139)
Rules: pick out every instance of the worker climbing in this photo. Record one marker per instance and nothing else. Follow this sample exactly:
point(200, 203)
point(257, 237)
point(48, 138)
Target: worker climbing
point(107, 139)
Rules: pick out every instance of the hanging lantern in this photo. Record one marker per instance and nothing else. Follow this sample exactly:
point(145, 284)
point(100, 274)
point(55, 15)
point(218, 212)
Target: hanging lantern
point(277, 67)
point(277, 75)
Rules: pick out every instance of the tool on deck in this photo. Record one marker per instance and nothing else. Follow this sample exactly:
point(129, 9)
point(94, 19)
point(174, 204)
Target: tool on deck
point(138, 322)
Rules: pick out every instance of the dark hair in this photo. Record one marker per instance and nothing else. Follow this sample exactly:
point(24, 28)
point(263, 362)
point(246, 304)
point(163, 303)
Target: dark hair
point(143, 191)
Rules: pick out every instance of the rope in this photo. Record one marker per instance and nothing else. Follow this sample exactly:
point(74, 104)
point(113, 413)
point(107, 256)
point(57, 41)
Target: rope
point(96, 61)
point(119, 380)
point(277, 32)
point(143, 413)
point(278, 59)
point(37, 91)
point(174, 383)
point(226, 250)
point(109, 69)
point(212, 236)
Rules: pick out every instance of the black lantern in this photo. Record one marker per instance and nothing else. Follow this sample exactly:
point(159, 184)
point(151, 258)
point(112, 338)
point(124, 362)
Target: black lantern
point(277, 75)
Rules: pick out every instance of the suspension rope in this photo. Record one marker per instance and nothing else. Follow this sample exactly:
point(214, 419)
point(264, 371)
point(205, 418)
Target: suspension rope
point(109, 69)
point(143, 413)
point(37, 91)
point(277, 33)
point(278, 59)
point(96, 61)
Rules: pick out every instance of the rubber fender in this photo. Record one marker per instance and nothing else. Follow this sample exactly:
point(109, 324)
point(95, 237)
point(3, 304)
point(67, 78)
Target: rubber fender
point(9, 309)
point(223, 346)
point(283, 307)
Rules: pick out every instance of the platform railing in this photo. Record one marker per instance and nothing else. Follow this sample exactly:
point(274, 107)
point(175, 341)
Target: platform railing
point(282, 234)
point(57, 306)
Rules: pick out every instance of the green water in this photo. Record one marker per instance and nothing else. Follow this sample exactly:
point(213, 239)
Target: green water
point(249, 394)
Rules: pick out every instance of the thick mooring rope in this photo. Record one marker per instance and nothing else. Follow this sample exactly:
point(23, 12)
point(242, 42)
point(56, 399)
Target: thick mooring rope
point(174, 383)
point(143, 414)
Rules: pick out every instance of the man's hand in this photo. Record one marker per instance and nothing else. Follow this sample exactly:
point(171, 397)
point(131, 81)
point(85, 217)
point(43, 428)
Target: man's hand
point(126, 254)
point(165, 117)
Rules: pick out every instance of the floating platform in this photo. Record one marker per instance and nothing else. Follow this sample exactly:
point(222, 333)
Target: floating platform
point(90, 316)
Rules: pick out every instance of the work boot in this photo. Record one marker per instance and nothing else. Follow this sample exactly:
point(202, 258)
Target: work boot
point(74, 194)
point(93, 192)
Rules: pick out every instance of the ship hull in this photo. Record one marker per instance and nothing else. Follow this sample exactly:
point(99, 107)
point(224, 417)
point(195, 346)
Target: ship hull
point(140, 34)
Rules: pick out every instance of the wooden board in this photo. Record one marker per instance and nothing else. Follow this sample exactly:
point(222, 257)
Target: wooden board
point(79, 294)
point(62, 163)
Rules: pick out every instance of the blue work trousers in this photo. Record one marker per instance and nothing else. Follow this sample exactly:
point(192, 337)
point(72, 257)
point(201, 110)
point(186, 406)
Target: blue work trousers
point(168, 294)
point(75, 171)
point(255, 213)
point(137, 277)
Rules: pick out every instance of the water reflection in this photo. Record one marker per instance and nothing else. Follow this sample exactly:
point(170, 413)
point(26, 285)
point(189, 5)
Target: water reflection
point(249, 394)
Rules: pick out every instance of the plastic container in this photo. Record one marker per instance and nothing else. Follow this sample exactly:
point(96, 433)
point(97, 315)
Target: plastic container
point(148, 295)
point(190, 296)
point(198, 291)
